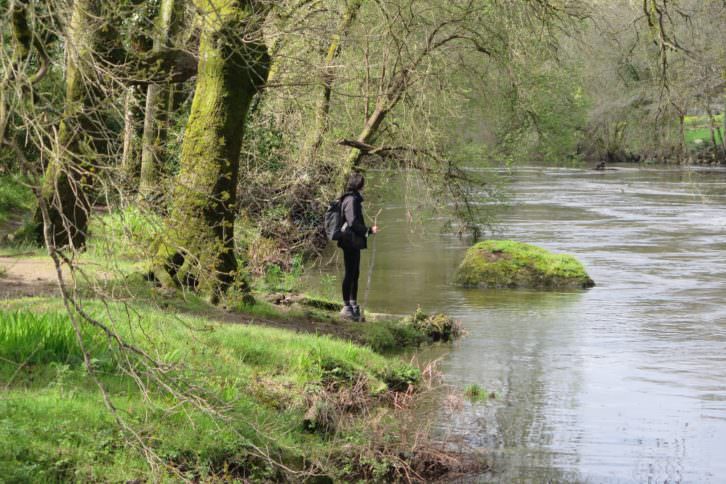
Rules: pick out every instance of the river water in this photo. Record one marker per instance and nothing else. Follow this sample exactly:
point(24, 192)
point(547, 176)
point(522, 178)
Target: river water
point(625, 382)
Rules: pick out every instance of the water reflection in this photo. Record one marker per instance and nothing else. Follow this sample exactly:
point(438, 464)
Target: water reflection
point(625, 382)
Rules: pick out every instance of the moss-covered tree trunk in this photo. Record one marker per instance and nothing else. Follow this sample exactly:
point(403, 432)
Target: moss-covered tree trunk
point(233, 64)
point(79, 143)
point(21, 36)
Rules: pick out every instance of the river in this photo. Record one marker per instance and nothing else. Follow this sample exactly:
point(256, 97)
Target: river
point(625, 382)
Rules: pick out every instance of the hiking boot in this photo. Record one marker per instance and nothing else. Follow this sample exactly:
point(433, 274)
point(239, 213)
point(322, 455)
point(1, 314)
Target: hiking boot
point(356, 312)
point(348, 313)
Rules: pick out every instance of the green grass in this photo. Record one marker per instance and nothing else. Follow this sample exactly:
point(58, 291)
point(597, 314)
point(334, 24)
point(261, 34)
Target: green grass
point(55, 427)
point(698, 128)
point(509, 264)
point(44, 338)
point(15, 196)
point(704, 134)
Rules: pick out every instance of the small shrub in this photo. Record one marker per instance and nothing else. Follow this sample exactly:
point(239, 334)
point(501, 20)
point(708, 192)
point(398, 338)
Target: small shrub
point(474, 392)
point(277, 279)
point(399, 378)
point(437, 327)
point(338, 371)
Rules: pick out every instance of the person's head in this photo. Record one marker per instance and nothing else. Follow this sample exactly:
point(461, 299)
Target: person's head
point(355, 182)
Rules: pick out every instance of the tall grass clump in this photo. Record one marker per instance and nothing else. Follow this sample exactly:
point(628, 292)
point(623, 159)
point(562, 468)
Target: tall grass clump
point(33, 338)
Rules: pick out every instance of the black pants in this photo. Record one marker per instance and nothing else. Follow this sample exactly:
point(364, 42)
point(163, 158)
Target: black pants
point(351, 257)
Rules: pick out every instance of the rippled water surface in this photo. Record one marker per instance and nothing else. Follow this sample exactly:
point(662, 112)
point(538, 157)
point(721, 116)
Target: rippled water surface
point(624, 382)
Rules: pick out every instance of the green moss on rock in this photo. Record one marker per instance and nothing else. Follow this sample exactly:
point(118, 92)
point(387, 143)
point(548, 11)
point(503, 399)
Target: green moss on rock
point(505, 263)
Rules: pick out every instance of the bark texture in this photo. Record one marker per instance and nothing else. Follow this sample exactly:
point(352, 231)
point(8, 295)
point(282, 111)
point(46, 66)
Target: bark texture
point(200, 250)
point(79, 144)
point(129, 156)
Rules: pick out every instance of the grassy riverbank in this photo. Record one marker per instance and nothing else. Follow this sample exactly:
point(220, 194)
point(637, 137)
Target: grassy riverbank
point(314, 403)
point(277, 390)
point(281, 389)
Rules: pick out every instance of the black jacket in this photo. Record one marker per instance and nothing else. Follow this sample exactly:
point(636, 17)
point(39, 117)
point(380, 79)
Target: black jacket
point(355, 232)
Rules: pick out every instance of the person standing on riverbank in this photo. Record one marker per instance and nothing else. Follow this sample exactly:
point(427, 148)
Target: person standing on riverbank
point(354, 238)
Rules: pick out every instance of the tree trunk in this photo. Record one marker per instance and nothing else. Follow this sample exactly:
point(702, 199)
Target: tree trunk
point(720, 138)
point(200, 247)
point(70, 172)
point(157, 112)
point(129, 156)
point(322, 109)
point(681, 138)
point(153, 140)
point(369, 130)
point(384, 104)
point(712, 128)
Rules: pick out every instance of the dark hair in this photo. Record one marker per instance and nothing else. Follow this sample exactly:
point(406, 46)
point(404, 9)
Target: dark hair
point(355, 182)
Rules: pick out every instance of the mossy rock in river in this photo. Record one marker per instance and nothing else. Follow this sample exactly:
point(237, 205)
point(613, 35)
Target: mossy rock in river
point(504, 263)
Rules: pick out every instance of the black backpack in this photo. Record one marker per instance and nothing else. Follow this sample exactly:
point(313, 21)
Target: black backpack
point(334, 219)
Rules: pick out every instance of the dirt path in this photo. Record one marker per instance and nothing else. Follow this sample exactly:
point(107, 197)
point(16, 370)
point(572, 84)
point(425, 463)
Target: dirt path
point(27, 276)
point(23, 276)
point(310, 324)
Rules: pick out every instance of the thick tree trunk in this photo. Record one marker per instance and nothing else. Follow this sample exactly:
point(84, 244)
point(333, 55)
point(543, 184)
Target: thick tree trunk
point(200, 248)
point(79, 144)
point(157, 112)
